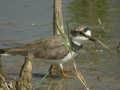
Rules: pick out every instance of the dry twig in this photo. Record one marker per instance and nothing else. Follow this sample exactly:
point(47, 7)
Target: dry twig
point(79, 75)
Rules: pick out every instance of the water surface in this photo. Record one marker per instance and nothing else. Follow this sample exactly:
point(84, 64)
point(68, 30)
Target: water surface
point(22, 21)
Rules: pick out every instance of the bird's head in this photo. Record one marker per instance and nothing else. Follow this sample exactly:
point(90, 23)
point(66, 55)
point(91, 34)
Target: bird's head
point(78, 34)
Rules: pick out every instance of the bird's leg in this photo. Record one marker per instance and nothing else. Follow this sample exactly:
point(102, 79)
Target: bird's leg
point(50, 69)
point(54, 69)
point(62, 71)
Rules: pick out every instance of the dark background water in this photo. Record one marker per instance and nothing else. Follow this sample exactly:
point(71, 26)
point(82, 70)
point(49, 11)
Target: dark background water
point(22, 21)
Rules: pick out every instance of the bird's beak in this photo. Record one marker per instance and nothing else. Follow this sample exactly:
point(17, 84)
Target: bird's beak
point(87, 36)
point(95, 40)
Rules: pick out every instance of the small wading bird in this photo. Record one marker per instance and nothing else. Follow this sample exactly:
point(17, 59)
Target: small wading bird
point(52, 49)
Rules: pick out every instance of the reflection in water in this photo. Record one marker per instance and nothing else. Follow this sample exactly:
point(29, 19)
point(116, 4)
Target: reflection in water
point(87, 11)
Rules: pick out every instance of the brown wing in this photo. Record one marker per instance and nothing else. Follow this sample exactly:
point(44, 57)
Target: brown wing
point(47, 48)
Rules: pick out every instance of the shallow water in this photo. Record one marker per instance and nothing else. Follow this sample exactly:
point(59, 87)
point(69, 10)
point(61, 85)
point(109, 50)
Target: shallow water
point(22, 21)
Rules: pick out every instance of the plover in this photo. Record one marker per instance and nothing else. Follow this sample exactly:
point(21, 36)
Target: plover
point(52, 49)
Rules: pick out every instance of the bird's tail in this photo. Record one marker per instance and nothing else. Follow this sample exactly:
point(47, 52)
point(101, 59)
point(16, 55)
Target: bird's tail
point(3, 51)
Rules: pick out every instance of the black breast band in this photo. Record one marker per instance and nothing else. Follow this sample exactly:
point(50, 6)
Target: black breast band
point(75, 47)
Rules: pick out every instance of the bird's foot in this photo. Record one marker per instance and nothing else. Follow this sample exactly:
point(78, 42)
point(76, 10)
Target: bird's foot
point(67, 76)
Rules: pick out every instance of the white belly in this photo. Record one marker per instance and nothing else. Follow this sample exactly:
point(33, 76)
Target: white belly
point(67, 58)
